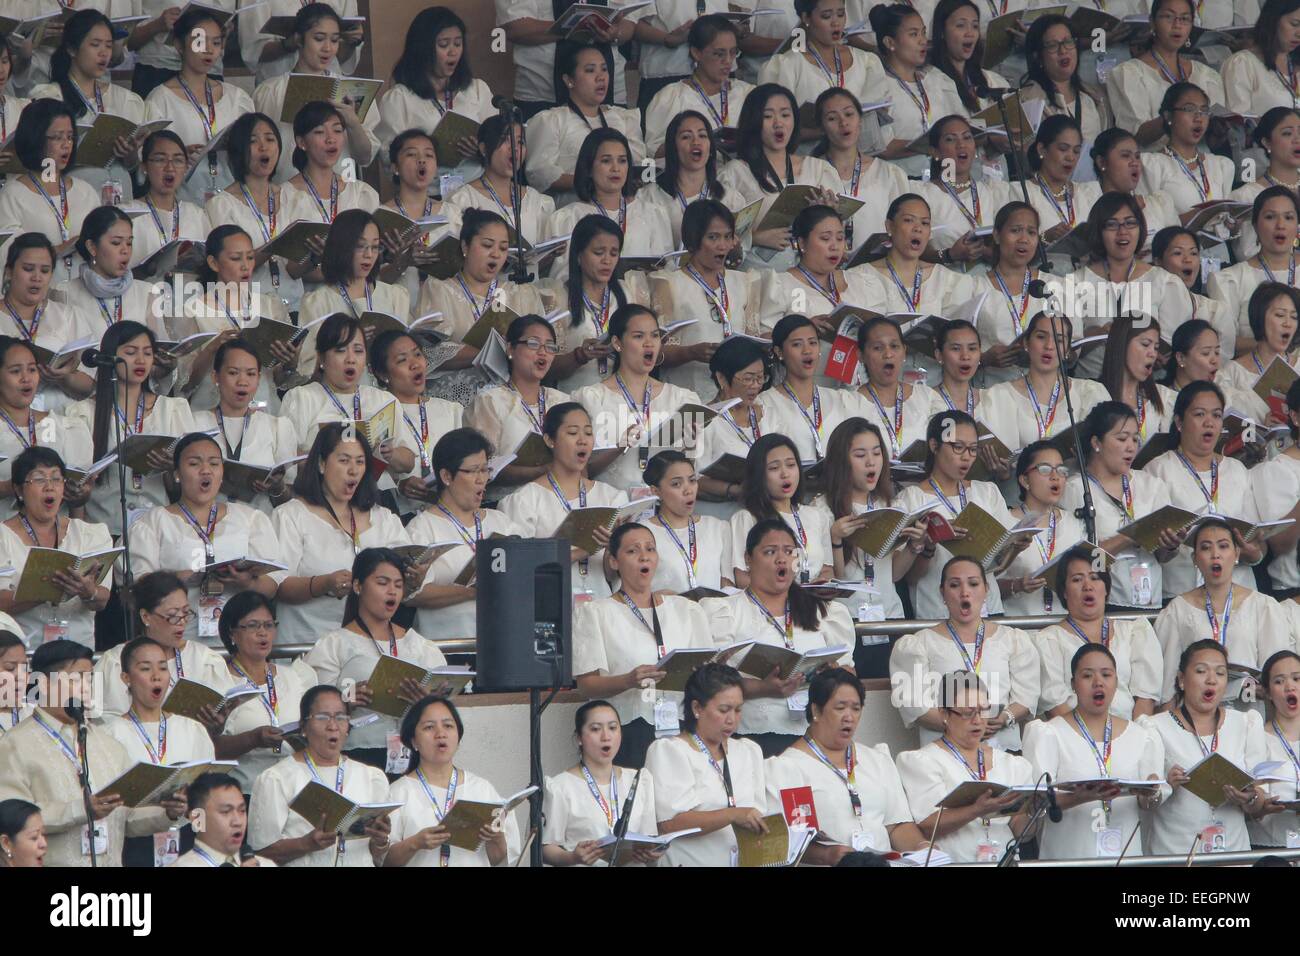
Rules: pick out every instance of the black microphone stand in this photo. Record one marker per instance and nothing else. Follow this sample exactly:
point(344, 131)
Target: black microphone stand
point(620, 828)
point(519, 273)
point(1011, 857)
point(118, 416)
point(84, 773)
point(1017, 169)
point(1087, 513)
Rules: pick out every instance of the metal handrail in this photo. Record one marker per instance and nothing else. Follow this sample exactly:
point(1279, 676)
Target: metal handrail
point(1229, 858)
point(896, 628)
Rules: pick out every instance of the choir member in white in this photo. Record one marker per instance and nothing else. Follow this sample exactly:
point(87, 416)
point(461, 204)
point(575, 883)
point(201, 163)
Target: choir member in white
point(215, 799)
point(1280, 681)
point(740, 370)
point(1052, 75)
point(1041, 474)
point(695, 549)
point(23, 840)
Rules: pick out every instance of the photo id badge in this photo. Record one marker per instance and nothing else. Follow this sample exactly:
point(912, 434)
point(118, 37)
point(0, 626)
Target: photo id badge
point(1109, 841)
point(666, 721)
point(861, 842)
point(398, 759)
point(1143, 591)
point(1293, 839)
point(988, 851)
point(448, 183)
point(166, 847)
point(54, 631)
point(210, 606)
point(101, 839)
point(1214, 838)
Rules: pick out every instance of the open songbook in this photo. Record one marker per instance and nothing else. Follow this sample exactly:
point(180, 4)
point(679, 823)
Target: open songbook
point(35, 584)
point(1209, 775)
point(968, 791)
point(580, 524)
point(986, 536)
point(781, 845)
point(680, 663)
point(1128, 788)
point(188, 697)
point(794, 199)
point(96, 143)
point(146, 784)
point(267, 331)
point(326, 809)
point(237, 477)
point(304, 88)
point(467, 817)
point(631, 842)
point(881, 528)
point(136, 449)
point(1274, 383)
point(389, 673)
point(761, 659)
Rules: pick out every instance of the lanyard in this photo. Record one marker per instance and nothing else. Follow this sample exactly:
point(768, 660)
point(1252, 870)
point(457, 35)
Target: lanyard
point(496, 198)
point(681, 200)
point(719, 303)
point(440, 812)
point(1290, 270)
point(1212, 493)
point(585, 564)
point(221, 425)
point(1050, 549)
point(338, 788)
point(654, 615)
point(473, 301)
point(846, 775)
point(326, 215)
point(356, 403)
point(31, 532)
point(1017, 315)
point(157, 220)
point(205, 535)
point(643, 413)
point(719, 116)
point(1289, 81)
point(29, 439)
point(210, 861)
point(427, 238)
point(972, 662)
point(1102, 755)
point(814, 420)
point(421, 436)
point(787, 632)
point(528, 409)
point(689, 551)
point(830, 291)
point(1067, 216)
point(970, 398)
point(1286, 745)
point(352, 519)
point(392, 638)
point(471, 540)
point(60, 211)
point(914, 299)
point(973, 214)
point(270, 700)
point(155, 756)
point(68, 750)
point(1105, 631)
point(1191, 729)
point(139, 416)
point(1044, 422)
point(723, 771)
point(114, 316)
point(600, 316)
point(753, 427)
point(1203, 183)
point(855, 179)
point(29, 333)
point(352, 306)
point(798, 524)
point(610, 807)
point(1170, 77)
point(961, 496)
point(1218, 631)
point(922, 101)
point(837, 78)
point(622, 212)
point(267, 222)
point(209, 118)
point(180, 664)
point(1126, 489)
point(979, 760)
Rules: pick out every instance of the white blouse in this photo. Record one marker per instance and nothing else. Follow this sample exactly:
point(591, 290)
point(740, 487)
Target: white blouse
point(164, 541)
point(741, 188)
point(686, 781)
point(556, 135)
point(1233, 496)
point(1135, 90)
point(417, 813)
point(1155, 292)
point(882, 592)
point(608, 639)
point(914, 108)
point(268, 98)
point(1278, 829)
point(612, 416)
point(311, 545)
point(292, 679)
point(400, 109)
point(1044, 546)
point(66, 435)
point(645, 225)
point(1233, 286)
point(879, 788)
point(708, 539)
point(309, 406)
point(260, 438)
point(25, 211)
point(738, 618)
point(880, 183)
point(1176, 823)
point(326, 299)
point(811, 530)
point(159, 51)
point(194, 127)
point(1163, 173)
point(951, 212)
point(1134, 571)
point(1095, 111)
point(252, 41)
point(1252, 87)
point(1072, 209)
point(79, 618)
point(916, 411)
point(234, 209)
point(942, 291)
point(719, 110)
point(783, 415)
point(342, 657)
point(535, 208)
point(459, 314)
point(499, 415)
point(270, 819)
point(1057, 747)
point(93, 316)
point(538, 510)
point(926, 600)
point(676, 295)
point(432, 526)
point(1276, 489)
point(1139, 668)
point(185, 740)
point(1012, 416)
point(931, 773)
point(150, 235)
point(196, 662)
point(535, 65)
point(592, 323)
point(807, 79)
point(571, 814)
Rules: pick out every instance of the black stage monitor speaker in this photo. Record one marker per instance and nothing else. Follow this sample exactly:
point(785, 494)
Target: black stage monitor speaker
point(525, 615)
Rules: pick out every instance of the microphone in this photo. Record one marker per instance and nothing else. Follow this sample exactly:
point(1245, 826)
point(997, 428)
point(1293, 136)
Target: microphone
point(1053, 808)
point(75, 709)
point(94, 358)
point(503, 103)
point(625, 816)
point(1038, 289)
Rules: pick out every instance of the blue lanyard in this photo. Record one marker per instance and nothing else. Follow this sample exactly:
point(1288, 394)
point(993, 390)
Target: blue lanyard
point(610, 809)
point(970, 399)
point(1290, 268)
point(444, 854)
point(473, 302)
point(718, 300)
point(326, 215)
point(155, 756)
point(961, 496)
point(356, 402)
point(68, 751)
point(1212, 493)
point(722, 770)
point(719, 117)
point(421, 436)
point(688, 554)
point(29, 439)
point(471, 540)
point(846, 775)
point(266, 223)
point(582, 493)
point(831, 291)
point(1044, 421)
point(642, 414)
point(914, 300)
point(205, 535)
point(753, 426)
point(1017, 317)
point(1105, 631)
point(979, 760)
point(211, 862)
point(972, 662)
point(29, 333)
point(347, 299)
point(814, 420)
point(1067, 216)
point(1102, 755)
point(1218, 631)
point(787, 632)
point(538, 419)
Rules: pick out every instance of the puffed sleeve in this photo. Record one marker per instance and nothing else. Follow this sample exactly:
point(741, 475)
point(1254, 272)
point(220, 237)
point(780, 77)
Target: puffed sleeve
point(671, 766)
point(555, 814)
point(482, 417)
point(643, 811)
point(75, 442)
point(896, 808)
point(402, 827)
point(661, 297)
point(1275, 490)
point(262, 543)
point(1042, 748)
point(758, 775)
point(722, 620)
point(740, 523)
point(429, 654)
point(1146, 666)
point(326, 659)
point(922, 782)
point(146, 545)
point(908, 661)
point(1239, 81)
point(544, 163)
point(1166, 630)
point(588, 643)
point(1275, 635)
point(268, 810)
point(1053, 673)
point(837, 631)
point(657, 117)
point(289, 536)
point(1152, 762)
point(1024, 672)
point(1256, 742)
point(515, 507)
point(1122, 104)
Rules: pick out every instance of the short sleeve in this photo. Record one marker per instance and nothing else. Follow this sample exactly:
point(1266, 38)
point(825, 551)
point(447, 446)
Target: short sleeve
point(289, 536)
point(891, 784)
point(1042, 748)
point(671, 766)
point(921, 782)
point(908, 660)
point(1054, 684)
point(1166, 630)
point(555, 814)
point(326, 660)
point(1145, 662)
point(1024, 672)
point(268, 811)
point(721, 620)
point(588, 643)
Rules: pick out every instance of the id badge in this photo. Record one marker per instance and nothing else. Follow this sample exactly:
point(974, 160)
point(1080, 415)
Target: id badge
point(735, 856)
point(166, 848)
point(862, 842)
point(1140, 576)
point(1104, 66)
point(1109, 841)
point(210, 606)
point(398, 759)
point(54, 631)
point(1214, 838)
point(101, 839)
point(988, 851)
point(448, 183)
point(1293, 839)
point(137, 481)
point(797, 702)
point(667, 723)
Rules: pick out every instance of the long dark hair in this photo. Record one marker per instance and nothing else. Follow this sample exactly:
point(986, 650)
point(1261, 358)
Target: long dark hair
point(414, 66)
point(1185, 398)
point(364, 565)
point(934, 431)
point(118, 334)
point(1160, 244)
point(584, 233)
point(753, 487)
point(341, 244)
point(667, 180)
point(972, 73)
point(1124, 330)
point(1036, 70)
point(749, 135)
point(806, 610)
point(566, 61)
point(310, 483)
point(1268, 31)
point(584, 186)
point(819, 110)
point(75, 31)
point(1185, 337)
point(839, 472)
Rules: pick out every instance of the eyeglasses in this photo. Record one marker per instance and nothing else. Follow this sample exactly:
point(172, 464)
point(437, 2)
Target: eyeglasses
point(251, 627)
point(1115, 225)
point(1182, 19)
point(40, 481)
point(175, 617)
point(324, 720)
point(1048, 470)
point(483, 470)
point(749, 378)
point(1056, 46)
point(535, 344)
point(963, 450)
point(174, 162)
point(1190, 110)
point(974, 713)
